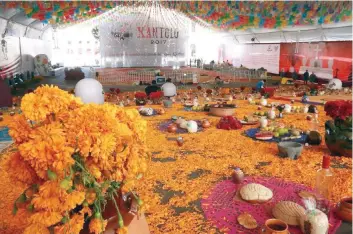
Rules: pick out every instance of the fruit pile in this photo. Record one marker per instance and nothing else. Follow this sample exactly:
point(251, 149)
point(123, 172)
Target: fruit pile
point(281, 130)
point(229, 123)
point(261, 113)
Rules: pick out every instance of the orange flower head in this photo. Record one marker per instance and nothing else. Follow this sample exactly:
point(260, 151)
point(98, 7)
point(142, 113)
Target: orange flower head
point(97, 226)
point(19, 129)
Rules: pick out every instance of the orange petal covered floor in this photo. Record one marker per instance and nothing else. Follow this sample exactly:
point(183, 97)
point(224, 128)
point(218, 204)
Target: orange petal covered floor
point(178, 177)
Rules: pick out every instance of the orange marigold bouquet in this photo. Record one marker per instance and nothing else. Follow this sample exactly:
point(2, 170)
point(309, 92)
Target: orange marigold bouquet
point(74, 158)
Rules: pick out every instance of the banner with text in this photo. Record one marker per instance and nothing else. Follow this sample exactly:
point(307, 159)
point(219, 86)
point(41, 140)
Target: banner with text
point(256, 56)
point(128, 44)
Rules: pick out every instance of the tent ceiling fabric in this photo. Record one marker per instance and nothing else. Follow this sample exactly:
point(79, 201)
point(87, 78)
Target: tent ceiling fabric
point(226, 15)
point(281, 21)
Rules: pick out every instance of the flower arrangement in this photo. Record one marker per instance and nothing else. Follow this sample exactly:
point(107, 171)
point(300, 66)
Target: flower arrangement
point(140, 98)
point(199, 88)
point(229, 123)
point(74, 158)
point(341, 110)
point(156, 97)
point(140, 95)
point(209, 92)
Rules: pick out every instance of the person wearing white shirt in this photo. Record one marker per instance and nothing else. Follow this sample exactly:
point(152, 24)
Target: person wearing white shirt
point(169, 89)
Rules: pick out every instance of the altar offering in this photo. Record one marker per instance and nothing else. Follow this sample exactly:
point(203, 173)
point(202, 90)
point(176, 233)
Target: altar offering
point(255, 193)
point(247, 221)
point(275, 226)
point(313, 221)
point(289, 212)
point(237, 175)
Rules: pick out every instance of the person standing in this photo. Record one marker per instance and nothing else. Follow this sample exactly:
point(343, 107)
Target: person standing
point(169, 89)
point(294, 75)
point(312, 77)
point(306, 77)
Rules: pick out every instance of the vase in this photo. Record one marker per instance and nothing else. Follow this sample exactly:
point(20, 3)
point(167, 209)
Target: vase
point(167, 103)
point(272, 114)
point(263, 101)
point(338, 138)
point(287, 108)
point(129, 211)
point(263, 122)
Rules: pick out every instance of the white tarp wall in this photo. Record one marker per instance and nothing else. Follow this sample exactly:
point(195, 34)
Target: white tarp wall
point(130, 43)
point(331, 32)
point(17, 52)
point(76, 46)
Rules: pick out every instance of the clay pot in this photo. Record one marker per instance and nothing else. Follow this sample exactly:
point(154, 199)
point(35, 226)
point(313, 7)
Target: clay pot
point(275, 226)
point(172, 128)
point(180, 141)
point(344, 209)
point(1, 118)
point(12, 113)
point(206, 123)
point(237, 176)
point(161, 111)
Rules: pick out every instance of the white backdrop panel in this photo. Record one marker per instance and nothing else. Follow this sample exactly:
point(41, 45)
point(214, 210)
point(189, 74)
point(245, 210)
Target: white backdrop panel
point(257, 56)
point(10, 58)
point(32, 47)
point(128, 44)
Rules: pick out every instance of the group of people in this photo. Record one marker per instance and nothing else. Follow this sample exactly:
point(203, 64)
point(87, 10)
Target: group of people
point(168, 88)
point(312, 78)
point(306, 77)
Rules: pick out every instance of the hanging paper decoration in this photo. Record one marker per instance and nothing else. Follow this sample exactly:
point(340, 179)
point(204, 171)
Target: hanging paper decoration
point(225, 15)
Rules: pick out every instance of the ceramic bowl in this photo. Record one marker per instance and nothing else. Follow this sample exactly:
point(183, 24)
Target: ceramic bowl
point(344, 209)
point(219, 111)
point(290, 149)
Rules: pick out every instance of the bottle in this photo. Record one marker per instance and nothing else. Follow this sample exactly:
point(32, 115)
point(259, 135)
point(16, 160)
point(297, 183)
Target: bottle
point(314, 123)
point(324, 177)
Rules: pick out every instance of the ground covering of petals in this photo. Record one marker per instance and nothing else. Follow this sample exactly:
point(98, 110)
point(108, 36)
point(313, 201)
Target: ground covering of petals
point(178, 177)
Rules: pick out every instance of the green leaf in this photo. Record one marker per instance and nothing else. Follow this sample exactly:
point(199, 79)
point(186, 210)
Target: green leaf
point(98, 215)
point(64, 219)
point(51, 175)
point(22, 198)
point(30, 207)
point(15, 209)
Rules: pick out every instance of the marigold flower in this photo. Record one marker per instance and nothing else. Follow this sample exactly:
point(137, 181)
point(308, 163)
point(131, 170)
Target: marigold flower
point(37, 106)
point(19, 129)
point(97, 226)
point(20, 169)
point(122, 230)
point(47, 149)
point(45, 218)
point(36, 228)
point(73, 199)
point(74, 225)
